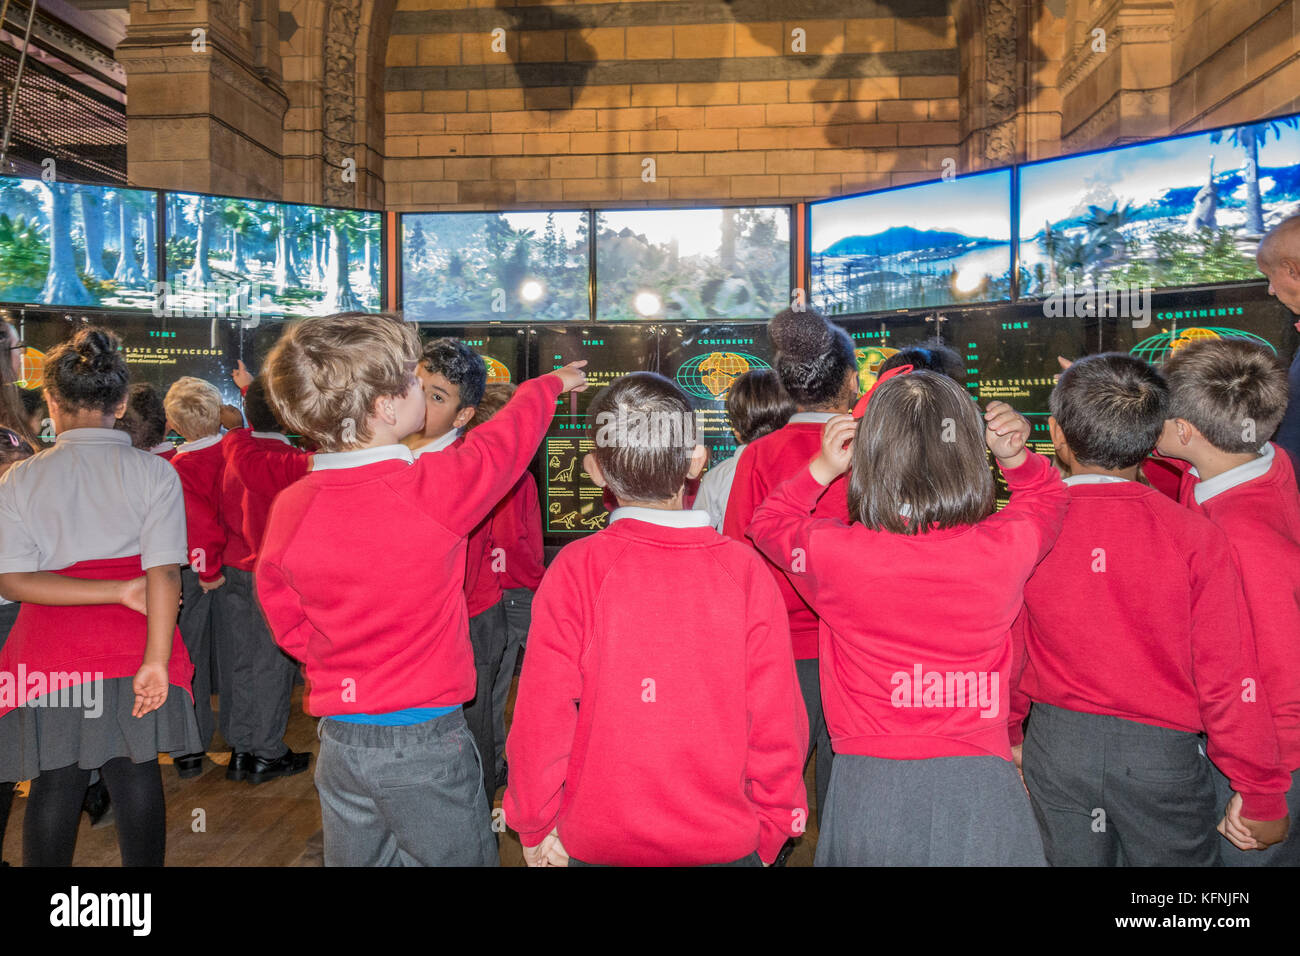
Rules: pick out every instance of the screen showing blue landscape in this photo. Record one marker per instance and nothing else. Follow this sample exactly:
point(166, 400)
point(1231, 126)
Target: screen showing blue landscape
point(290, 261)
point(935, 243)
point(62, 244)
point(1173, 212)
point(495, 266)
point(679, 264)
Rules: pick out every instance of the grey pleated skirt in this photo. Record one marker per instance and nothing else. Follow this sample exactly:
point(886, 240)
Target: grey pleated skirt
point(92, 730)
point(945, 811)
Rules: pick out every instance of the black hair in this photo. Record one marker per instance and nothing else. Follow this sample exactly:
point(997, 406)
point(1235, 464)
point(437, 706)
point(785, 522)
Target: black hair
point(1111, 409)
point(261, 416)
point(13, 447)
point(145, 419)
point(88, 372)
point(931, 356)
point(458, 364)
point(33, 400)
point(757, 405)
point(813, 357)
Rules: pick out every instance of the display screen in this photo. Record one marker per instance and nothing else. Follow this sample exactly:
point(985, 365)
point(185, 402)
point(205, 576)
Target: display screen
point(1181, 211)
point(156, 351)
point(680, 264)
point(246, 257)
point(705, 360)
point(503, 349)
point(61, 245)
point(480, 267)
point(931, 244)
point(572, 504)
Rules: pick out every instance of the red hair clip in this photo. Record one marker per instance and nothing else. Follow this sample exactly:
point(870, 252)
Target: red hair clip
point(860, 408)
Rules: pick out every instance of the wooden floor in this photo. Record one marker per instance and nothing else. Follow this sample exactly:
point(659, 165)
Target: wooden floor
point(214, 822)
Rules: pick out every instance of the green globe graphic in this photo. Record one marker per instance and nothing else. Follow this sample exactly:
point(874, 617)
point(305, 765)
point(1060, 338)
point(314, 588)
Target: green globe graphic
point(709, 376)
point(1158, 347)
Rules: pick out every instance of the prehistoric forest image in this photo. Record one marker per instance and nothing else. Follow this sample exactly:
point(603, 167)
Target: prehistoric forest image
point(70, 245)
point(678, 264)
point(297, 260)
point(492, 266)
point(1174, 212)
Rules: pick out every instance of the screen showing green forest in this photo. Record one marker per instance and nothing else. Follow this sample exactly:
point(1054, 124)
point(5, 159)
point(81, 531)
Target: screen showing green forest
point(495, 266)
point(678, 264)
point(270, 258)
point(62, 244)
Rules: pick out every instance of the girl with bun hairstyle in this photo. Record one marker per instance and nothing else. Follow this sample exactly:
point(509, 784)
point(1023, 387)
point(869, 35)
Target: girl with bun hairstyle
point(817, 367)
point(92, 533)
point(918, 703)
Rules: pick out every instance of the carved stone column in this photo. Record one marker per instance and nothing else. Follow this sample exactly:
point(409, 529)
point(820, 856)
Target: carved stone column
point(205, 107)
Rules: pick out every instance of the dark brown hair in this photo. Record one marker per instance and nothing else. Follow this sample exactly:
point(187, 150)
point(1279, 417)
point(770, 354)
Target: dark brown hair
point(13, 411)
point(930, 356)
point(495, 396)
point(145, 419)
point(1111, 409)
point(644, 429)
point(813, 357)
point(920, 445)
point(1233, 391)
point(88, 372)
point(757, 405)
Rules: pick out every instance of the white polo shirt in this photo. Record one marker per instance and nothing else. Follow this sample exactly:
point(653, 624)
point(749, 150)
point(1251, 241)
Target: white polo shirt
point(89, 497)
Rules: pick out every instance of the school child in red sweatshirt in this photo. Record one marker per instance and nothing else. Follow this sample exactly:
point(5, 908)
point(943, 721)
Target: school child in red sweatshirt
point(194, 412)
point(658, 720)
point(1134, 643)
point(819, 371)
point(255, 677)
point(453, 377)
point(361, 578)
point(1226, 397)
point(518, 560)
point(917, 703)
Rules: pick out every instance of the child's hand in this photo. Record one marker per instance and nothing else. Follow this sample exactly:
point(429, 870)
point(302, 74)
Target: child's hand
point(1065, 363)
point(1232, 827)
point(241, 376)
point(1017, 755)
point(1005, 432)
point(573, 377)
point(133, 595)
point(150, 686)
point(837, 449)
point(550, 852)
point(212, 585)
point(1267, 832)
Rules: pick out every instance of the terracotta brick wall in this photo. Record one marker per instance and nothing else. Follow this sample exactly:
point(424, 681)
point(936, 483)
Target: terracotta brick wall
point(584, 93)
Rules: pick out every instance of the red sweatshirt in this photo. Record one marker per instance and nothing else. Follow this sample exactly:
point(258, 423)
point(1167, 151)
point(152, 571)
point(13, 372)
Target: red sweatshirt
point(1261, 518)
point(201, 473)
point(1137, 613)
point(361, 572)
point(763, 465)
point(257, 469)
point(659, 719)
point(916, 654)
point(482, 574)
point(517, 529)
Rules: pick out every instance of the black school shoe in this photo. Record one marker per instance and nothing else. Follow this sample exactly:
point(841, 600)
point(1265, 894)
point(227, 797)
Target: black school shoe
point(191, 765)
point(237, 769)
point(262, 769)
point(97, 805)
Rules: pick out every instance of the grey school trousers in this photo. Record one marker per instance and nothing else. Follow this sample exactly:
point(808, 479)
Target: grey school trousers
point(818, 733)
point(487, 635)
point(518, 606)
point(255, 676)
point(1114, 792)
point(197, 627)
point(403, 796)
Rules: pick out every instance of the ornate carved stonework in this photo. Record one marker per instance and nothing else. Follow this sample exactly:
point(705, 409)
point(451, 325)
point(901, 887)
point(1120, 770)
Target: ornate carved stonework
point(338, 141)
point(1001, 36)
point(1085, 136)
